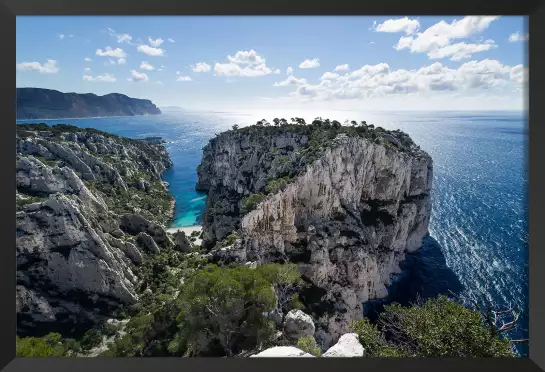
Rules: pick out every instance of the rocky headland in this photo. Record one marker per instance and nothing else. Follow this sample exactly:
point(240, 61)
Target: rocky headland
point(38, 103)
point(343, 202)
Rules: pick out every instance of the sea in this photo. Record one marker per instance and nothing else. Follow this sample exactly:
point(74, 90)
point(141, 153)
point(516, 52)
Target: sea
point(478, 243)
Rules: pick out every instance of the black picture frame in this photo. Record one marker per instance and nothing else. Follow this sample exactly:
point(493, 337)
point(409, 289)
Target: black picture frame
point(534, 9)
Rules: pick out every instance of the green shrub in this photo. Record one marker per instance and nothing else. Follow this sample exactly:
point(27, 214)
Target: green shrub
point(437, 328)
point(250, 203)
point(230, 239)
point(309, 345)
point(224, 306)
point(47, 346)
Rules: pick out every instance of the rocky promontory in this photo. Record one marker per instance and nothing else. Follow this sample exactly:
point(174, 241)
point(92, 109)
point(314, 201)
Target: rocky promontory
point(38, 103)
point(90, 207)
point(344, 202)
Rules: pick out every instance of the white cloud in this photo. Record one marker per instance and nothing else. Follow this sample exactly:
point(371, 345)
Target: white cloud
point(518, 36)
point(86, 69)
point(341, 68)
point(61, 36)
point(329, 76)
point(106, 78)
point(159, 82)
point(289, 71)
point(87, 59)
point(146, 66)
point(49, 67)
point(138, 76)
point(233, 69)
point(151, 51)
point(372, 42)
point(310, 63)
point(201, 67)
point(121, 61)
point(155, 43)
point(436, 40)
point(519, 74)
point(247, 57)
point(109, 52)
point(112, 62)
point(183, 78)
point(380, 80)
point(171, 40)
point(406, 25)
point(291, 80)
point(121, 38)
point(277, 71)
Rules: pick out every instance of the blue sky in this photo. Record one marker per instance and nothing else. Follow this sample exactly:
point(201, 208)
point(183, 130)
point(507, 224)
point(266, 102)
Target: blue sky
point(222, 63)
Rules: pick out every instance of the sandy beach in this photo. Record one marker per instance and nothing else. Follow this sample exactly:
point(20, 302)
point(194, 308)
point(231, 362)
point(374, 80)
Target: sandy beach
point(187, 230)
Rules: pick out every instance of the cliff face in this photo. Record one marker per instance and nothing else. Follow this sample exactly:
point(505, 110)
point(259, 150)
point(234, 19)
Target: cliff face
point(346, 218)
point(37, 103)
point(84, 200)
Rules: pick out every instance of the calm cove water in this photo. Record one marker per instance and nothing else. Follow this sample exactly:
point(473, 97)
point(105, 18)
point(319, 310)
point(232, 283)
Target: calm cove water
point(479, 228)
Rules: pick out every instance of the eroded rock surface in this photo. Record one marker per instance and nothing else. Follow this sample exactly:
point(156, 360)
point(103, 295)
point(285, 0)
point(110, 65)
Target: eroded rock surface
point(74, 263)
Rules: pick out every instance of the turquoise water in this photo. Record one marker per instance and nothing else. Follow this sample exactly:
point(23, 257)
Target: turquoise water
point(479, 226)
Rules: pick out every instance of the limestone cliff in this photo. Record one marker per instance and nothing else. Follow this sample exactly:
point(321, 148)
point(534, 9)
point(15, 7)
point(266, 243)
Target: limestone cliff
point(84, 201)
point(356, 199)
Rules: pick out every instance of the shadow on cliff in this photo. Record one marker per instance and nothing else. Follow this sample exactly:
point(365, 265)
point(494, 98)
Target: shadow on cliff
point(425, 274)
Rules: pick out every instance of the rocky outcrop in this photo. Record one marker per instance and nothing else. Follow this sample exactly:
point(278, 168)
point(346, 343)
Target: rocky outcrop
point(297, 324)
point(282, 352)
point(74, 264)
point(348, 214)
point(38, 103)
point(182, 244)
point(348, 346)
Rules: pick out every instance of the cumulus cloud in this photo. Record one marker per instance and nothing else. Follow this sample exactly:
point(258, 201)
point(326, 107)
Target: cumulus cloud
point(87, 59)
point(406, 25)
point(171, 40)
point(121, 38)
point(138, 76)
point(201, 67)
point(519, 74)
point(86, 69)
point(110, 52)
point(61, 36)
point(436, 40)
point(183, 78)
point(233, 69)
point(247, 57)
point(146, 66)
point(310, 63)
point(380, 80)
point(329, 76)
point(289, 71)
point(341, 68)
point(49, 67)
point(150, 51)
point(155, 43)
point(245, 64)
point(277, 71)
point(106, 78)
point(518, 36)
point(291, 80)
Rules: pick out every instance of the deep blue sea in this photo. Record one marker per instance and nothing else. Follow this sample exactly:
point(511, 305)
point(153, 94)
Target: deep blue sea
point(479, 228)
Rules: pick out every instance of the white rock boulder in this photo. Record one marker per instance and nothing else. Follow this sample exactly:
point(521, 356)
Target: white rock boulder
point(348, 346)
point(283, 352)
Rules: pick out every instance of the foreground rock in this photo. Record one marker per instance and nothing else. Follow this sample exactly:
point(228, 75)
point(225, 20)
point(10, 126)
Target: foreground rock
point(282, 352)
point(348, 346)
point(297, 324)
point(74, 263)
point(351, 207)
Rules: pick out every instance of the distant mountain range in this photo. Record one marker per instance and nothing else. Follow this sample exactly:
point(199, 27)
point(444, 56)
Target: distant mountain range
point(38, 103)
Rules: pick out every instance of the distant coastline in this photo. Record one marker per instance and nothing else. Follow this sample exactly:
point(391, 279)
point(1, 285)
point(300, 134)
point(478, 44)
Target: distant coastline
point(90, 117)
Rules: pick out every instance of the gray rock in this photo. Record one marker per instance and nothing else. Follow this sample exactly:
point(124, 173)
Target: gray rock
point(182, 243)
point(297, 324)
point(147, 243)
point(347, 346)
